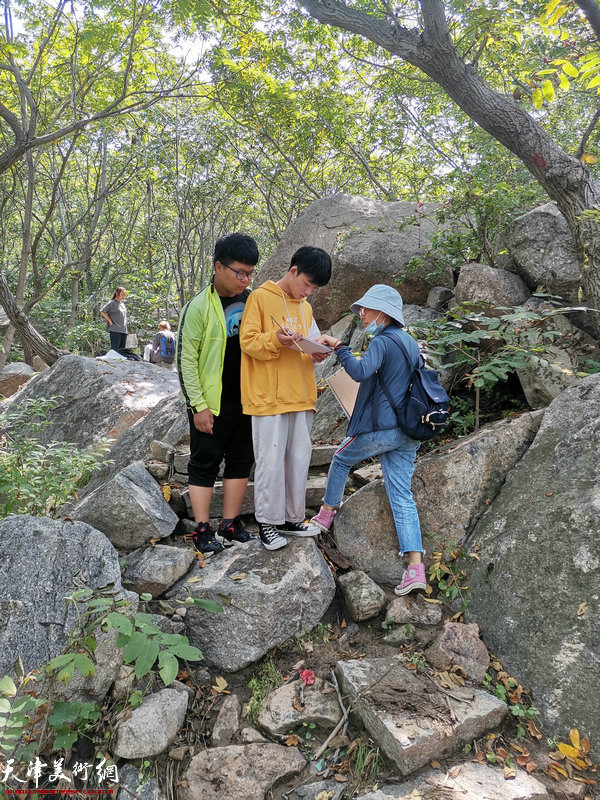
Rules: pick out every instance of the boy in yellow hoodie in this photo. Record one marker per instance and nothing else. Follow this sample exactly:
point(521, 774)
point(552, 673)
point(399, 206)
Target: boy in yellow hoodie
point(279, 392)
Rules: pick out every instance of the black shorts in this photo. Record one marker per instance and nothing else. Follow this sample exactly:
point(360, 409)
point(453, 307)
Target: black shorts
point(231, 440)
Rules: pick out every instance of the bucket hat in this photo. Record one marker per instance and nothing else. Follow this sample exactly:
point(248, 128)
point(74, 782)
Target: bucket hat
point(381, 297)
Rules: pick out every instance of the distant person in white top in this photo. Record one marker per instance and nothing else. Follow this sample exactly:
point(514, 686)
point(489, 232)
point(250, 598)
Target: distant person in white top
point(163, 345)
point(115, 314)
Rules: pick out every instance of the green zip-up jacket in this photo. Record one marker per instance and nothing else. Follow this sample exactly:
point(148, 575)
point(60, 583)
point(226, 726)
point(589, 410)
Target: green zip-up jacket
point(201, 340)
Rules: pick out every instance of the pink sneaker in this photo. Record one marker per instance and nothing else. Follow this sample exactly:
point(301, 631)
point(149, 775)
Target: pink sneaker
point(413, 578)
point(323, 520)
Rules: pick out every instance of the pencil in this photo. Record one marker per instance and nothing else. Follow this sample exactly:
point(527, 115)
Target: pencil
point(286, 333)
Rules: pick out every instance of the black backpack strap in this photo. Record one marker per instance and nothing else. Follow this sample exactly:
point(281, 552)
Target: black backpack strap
point(386, 391)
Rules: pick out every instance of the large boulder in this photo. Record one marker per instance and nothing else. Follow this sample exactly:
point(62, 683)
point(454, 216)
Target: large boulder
point(452, 488)
point(96, 399)
point(542, 247)
point(536, 590)
point(44, 560)
point(478, 283)
point(266, 597)
point(130, 509)
point(370, 241)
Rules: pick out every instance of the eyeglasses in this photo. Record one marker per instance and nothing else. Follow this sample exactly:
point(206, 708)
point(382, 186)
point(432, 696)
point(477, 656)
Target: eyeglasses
point(240, 274)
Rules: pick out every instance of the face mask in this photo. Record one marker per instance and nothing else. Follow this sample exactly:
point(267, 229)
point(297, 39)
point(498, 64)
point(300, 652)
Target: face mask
point(373, 328)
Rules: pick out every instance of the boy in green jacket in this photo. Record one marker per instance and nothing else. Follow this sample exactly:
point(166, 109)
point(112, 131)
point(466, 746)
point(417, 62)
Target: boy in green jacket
point(208, 365)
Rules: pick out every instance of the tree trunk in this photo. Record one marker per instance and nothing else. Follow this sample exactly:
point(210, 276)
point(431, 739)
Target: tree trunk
point(566, 180)
point(40, 346)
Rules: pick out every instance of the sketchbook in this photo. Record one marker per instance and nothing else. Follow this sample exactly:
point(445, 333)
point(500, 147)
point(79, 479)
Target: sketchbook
point(310, 346)
point(344, 389)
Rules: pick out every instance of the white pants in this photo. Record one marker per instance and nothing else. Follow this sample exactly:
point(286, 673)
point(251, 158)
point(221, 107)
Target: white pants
point(282, 449)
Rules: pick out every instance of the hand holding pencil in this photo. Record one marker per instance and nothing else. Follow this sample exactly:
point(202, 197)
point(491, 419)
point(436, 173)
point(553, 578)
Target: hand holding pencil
point(287, 338)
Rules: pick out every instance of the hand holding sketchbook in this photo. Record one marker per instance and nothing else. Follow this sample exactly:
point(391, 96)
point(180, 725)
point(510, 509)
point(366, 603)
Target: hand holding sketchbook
point(308, 346)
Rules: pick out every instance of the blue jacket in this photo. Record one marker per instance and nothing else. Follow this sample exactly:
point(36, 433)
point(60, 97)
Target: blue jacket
point(372, 412)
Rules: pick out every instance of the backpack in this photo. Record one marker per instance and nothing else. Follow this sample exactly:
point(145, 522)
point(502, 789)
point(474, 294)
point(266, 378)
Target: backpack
point(167, 347)
point(426, 407)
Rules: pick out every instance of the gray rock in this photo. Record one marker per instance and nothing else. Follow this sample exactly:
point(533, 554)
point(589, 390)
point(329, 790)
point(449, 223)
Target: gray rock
point(370, 241)
point(322, 454)
point(414, 314)
point(541, 245)
point(181, 460)
point(560, 361)
point(39, 365)
point(279, 716)
point(332, 790)
point(251, 736)
point(154, 570)
point(454, 485)
point(129, 778)
point(227, 722)
point(129, 509)
point(480, 284)
point(282, 593)
point(98, 399)
point(43, 560)
point(315, 486)
point(330, 423)
point(536, 590)
point(244, 772)
point(473, 781)
point(363, 596)
point(399, 635)
point(439, 297)
point(414, 609)
point(161, 451)
point(166, 421)
point(124, 682)
point(158, 470)
point(17, 368)
point(382, 691)
point(460, 644)
point(152, 726)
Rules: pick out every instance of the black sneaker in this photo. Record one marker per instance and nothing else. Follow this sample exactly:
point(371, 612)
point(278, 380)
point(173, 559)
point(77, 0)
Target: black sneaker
point(204, 539)
point(269, 537)
point(298, 529)
point(232, 531)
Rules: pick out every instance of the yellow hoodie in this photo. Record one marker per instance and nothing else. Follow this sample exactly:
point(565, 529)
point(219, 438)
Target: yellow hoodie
point(275, 379)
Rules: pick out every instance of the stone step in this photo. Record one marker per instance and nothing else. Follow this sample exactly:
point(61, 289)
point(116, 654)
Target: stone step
point(409, 717)
point(315, 489)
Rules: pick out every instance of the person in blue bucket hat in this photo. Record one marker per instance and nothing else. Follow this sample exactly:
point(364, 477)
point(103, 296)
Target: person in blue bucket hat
point(373, 428)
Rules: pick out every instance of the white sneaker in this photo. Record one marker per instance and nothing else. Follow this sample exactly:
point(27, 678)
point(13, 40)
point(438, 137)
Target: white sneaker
point(270, 537)
point(298, 529)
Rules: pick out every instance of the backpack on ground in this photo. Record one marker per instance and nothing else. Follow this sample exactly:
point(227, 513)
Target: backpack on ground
point(167, 347)
point(426, 408)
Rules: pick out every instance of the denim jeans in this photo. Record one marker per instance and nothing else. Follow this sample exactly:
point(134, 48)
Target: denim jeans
point(397, 454)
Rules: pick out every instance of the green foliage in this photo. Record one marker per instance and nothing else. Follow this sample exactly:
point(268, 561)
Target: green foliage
point(37, 478)
point(70, 720)
point(448, 577)
point(15, 712)
point(365, 764)
point(265, 679)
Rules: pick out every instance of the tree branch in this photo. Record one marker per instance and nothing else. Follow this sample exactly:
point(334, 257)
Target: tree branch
point(591, 9)
point(587, 134)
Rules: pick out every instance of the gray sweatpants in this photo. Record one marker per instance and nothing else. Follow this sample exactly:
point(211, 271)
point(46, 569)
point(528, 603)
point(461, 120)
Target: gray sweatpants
point(282, 449)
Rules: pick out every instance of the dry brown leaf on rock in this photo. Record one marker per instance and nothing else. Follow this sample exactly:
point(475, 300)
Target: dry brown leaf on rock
point(292, 740)
point(509, 773)
point(297, 704)
point(581, 609)
point(166, 492)
point(220, 685)
point(533, 730)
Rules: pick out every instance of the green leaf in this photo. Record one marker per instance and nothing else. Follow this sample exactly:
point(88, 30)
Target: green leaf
point(570, 70)
point(84, 665)
point(208, 605)
point(594, 82)
point(186, 651)
point(548, 90)
point(120, 623)
point(168, 667)
point(7, 686)
point(537, 99)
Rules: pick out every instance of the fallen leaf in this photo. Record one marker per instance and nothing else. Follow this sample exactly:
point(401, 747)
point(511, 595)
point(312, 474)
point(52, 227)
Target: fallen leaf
point(343, 624)
point(530, 767)
point(509, 773)
point(153, 541)
point(220, 685)
point(502, 752)
point(239, 576)
point(433, 600)
point(557, 772)
point(166, 492)
point(567, 750)
point(297, 704)
point(475, 555)
point(292, 740)
point(533, 730)
point(340, 778)
point(454, 771)
point(574, 733)
point(195, 579)
point(580, 612)
point(435, 764)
